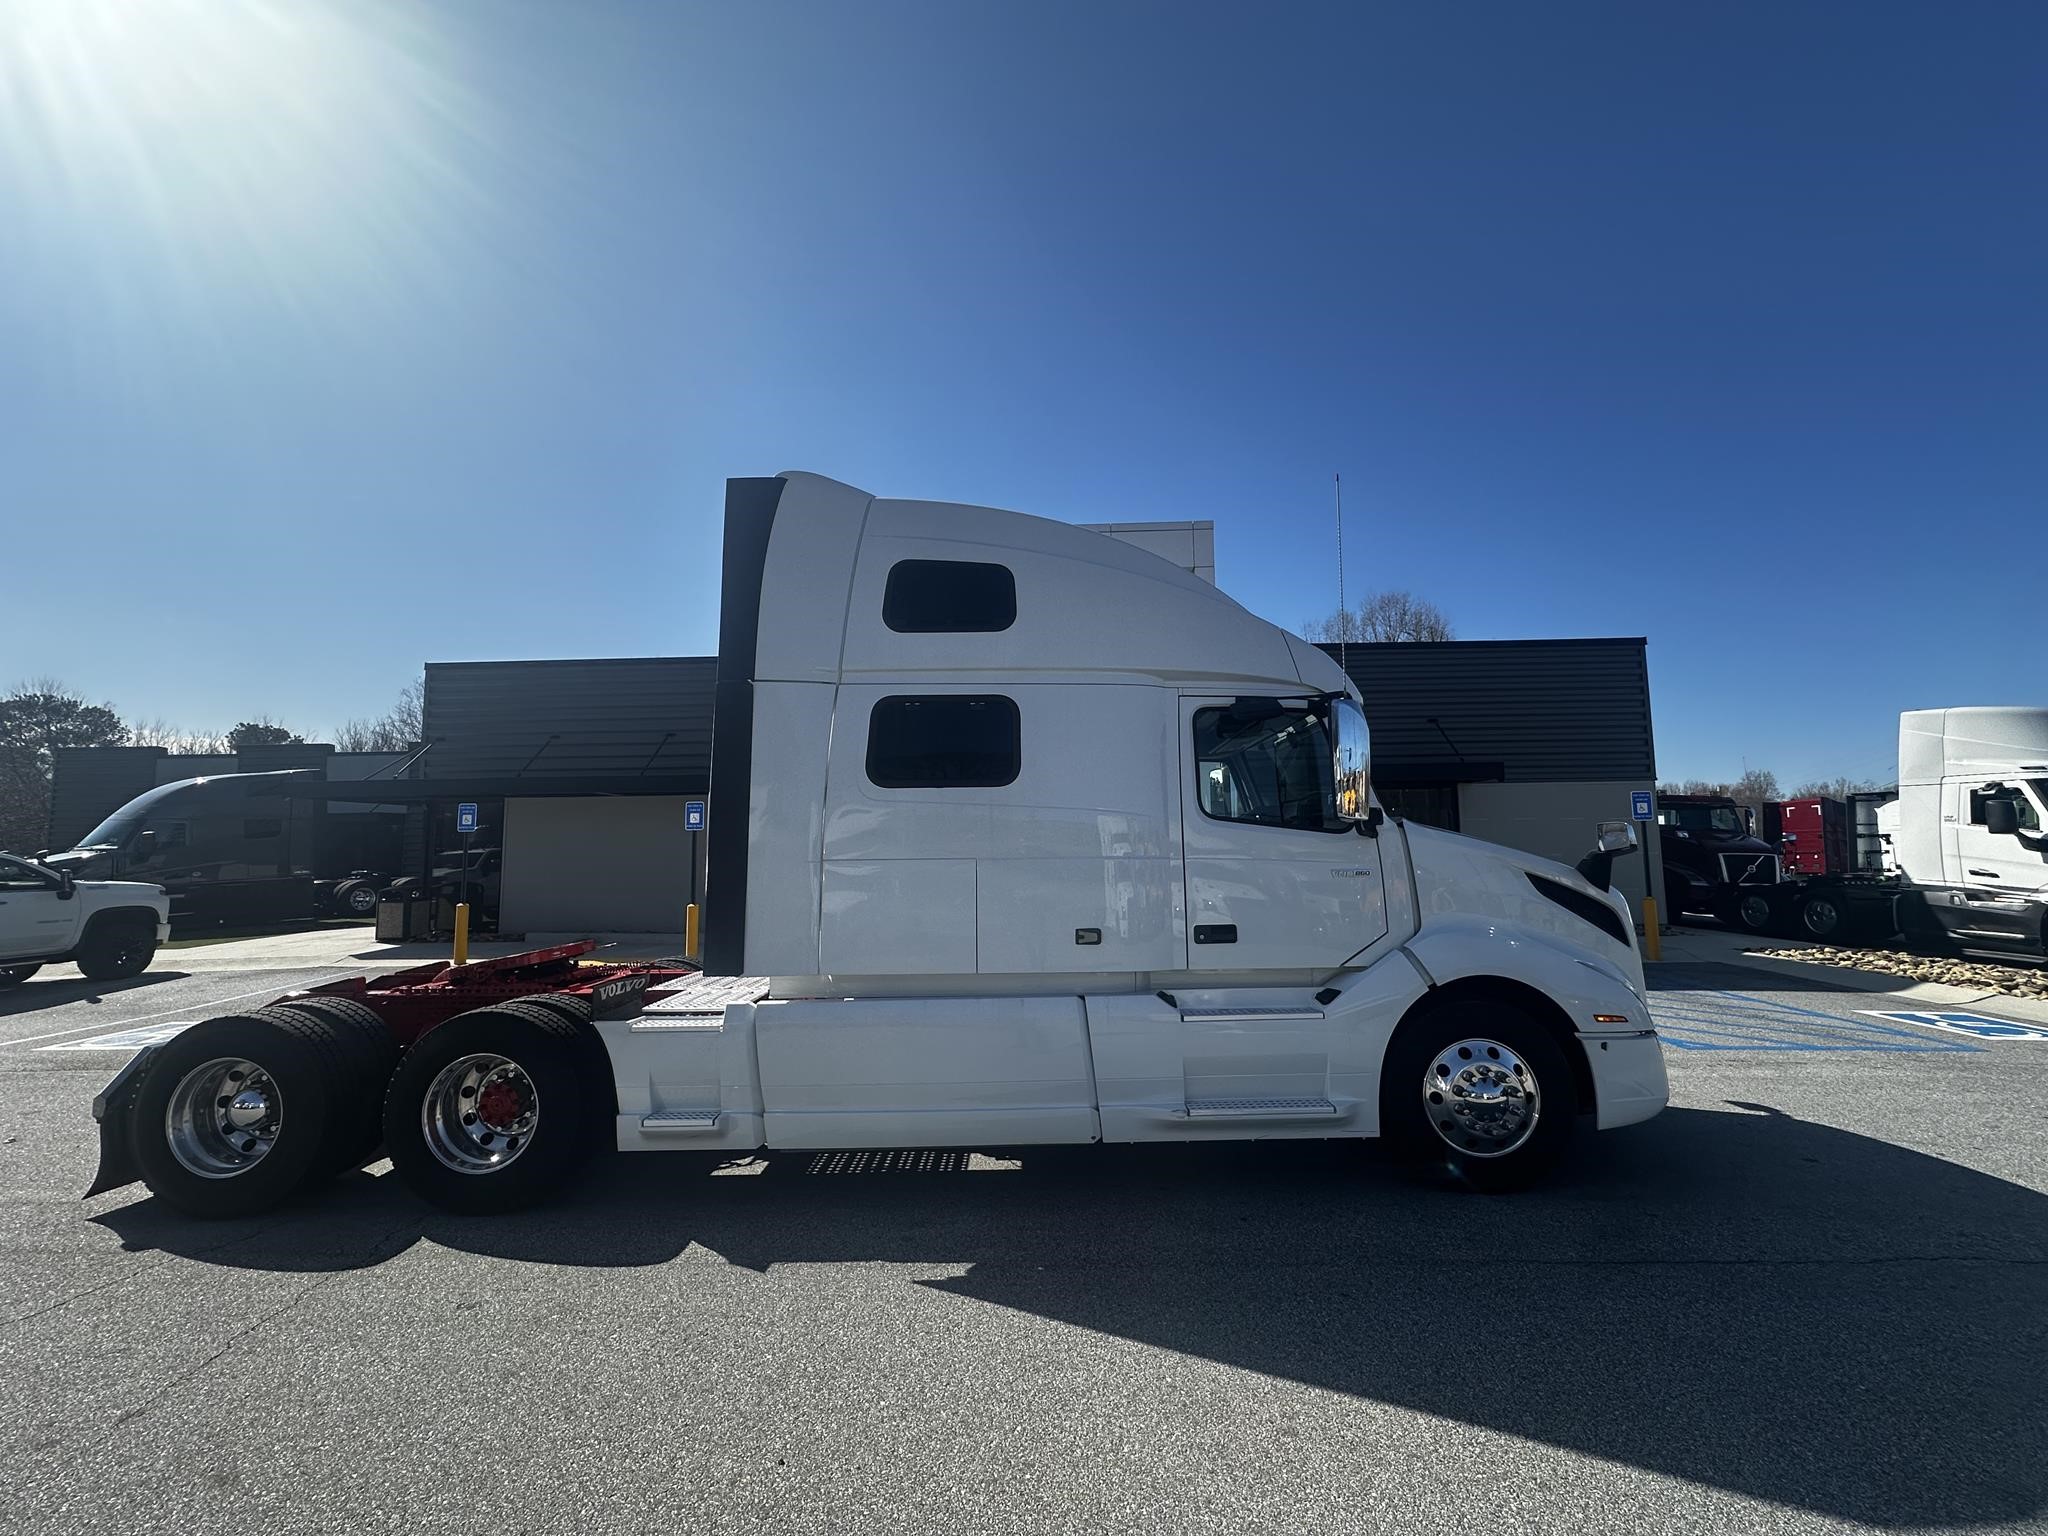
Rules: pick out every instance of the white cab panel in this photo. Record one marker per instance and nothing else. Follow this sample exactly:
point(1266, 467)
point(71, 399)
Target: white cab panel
point(1086, 837)
point(898, 916)
point(817, 529)
point(925, 1072)
point(1629, 1083)
point(1087, 605)
point(785, 827)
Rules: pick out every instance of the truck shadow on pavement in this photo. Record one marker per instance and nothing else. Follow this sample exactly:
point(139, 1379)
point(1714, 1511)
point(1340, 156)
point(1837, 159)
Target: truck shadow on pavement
point(1736, 1297)
point(55, 991)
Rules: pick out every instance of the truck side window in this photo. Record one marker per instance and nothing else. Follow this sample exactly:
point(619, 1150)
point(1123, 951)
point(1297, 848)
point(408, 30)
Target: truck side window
point(16, 876)
point(2029, 822)
point(944, 741)
point(949, 597)
point(1263, 762)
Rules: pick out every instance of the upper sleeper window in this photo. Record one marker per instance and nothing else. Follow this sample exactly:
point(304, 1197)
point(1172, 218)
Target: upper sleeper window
point(951, 597)
point(943, 741)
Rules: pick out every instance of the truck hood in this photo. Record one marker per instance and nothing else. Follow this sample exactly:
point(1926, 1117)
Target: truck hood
point(132, 890)
point(1454, 873)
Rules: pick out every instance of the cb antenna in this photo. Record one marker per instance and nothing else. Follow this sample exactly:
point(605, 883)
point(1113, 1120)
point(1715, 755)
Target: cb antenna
point(1343, 612)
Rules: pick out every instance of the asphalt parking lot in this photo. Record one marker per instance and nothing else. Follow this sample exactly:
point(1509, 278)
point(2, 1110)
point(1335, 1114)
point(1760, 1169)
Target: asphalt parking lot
point(1811, 1296)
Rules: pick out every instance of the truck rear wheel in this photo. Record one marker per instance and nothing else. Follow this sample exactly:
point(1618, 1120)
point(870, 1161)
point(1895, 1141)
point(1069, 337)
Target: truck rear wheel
point(490, 1112)
point(357, 898)
point(367, 1058)
point(117, 947)
point(1478, 1090)
point(1825, 916)
point(234, 1114)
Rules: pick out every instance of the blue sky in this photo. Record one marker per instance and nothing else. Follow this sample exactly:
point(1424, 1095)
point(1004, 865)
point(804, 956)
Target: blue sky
point(338, 336)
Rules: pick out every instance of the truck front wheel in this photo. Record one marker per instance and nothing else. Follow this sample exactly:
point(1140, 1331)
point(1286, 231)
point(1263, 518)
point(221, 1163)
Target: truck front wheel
point(490, 1112)
point(1479, 1090)
point(117, 947)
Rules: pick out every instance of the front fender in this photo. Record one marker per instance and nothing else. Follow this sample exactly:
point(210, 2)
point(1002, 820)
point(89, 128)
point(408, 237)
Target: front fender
point(1583, 983)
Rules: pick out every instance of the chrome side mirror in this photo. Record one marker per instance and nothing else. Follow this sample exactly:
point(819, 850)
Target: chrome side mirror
point(1616, 838)
point(1351, 741)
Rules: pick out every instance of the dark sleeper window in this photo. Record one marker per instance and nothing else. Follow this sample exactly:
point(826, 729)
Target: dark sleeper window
point(943, 741)
point(950, 597)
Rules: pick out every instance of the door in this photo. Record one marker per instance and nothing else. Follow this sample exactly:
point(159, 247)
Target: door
point(1275, 882)
point(34, 920)
point(2015, 862)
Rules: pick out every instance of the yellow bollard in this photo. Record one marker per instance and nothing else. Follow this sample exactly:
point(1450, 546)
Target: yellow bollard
point(690, 931)
point(1653, 941)
point(462, 933)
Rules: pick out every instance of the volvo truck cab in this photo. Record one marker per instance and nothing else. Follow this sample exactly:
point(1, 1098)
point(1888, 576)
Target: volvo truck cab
point(1027, 836)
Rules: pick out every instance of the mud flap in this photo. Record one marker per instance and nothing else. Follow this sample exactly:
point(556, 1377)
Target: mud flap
point(114, 1107)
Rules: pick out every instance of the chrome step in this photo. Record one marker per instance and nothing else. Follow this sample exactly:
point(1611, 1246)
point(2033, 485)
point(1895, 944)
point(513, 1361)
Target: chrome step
point(1210, 1015)
point(1259, 1109)
point(679, 1122)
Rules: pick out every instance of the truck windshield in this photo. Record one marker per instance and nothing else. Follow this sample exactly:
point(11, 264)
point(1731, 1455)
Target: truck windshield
point(118, 828)
point(1702, 818)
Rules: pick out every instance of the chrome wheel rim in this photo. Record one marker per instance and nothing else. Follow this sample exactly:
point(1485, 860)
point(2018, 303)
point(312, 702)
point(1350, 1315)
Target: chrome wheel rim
point(223, 1118)
point(362, 902)
point(479, 1113)
point(1481, 1098)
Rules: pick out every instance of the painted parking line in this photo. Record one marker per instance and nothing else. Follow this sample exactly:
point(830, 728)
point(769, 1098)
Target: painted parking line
point(1709, 1020)
point(130, 1040)
point(1976, 1025)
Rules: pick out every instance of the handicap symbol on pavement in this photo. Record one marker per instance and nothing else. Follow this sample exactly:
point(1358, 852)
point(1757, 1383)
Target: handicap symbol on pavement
point(1964, 1024)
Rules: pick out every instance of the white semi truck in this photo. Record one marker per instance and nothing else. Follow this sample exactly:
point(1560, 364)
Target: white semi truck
point(1968, 839)
point(1021, 836)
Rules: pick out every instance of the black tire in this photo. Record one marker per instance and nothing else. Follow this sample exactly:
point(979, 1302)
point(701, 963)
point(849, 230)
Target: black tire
point(15, 975)
point(356, 898)
point(1825, 918)
point(550, 1077)
point(600, 1092)
point(367, 1057)
point(1410, 1121)
point(297, 1054)
point(118, 947)
point(1755, 912)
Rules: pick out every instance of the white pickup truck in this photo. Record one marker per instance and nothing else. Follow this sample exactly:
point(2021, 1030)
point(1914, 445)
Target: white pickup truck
point(111, 928)
point(1021, 836)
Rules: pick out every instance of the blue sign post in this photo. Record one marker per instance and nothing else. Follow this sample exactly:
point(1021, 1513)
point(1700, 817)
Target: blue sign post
point(465, 823)
point(1639, 805)
point(694, 818)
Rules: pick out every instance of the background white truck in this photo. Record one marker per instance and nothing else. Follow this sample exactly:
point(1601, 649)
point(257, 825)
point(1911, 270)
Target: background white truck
point(1022, 835)
point(1966, 837)
point(111, 928)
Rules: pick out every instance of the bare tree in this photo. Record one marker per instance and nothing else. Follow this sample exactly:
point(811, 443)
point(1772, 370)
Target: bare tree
point(1838, 788)
point(1390, 615)
point(159, 732)
point(399, 729)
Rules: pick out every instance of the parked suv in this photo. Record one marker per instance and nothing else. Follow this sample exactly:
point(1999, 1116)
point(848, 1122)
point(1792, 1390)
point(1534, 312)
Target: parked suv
point(111, 928)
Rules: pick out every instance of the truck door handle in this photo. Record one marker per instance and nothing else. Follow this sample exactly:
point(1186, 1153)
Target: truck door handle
point(1988, 874)
point(1216, 933)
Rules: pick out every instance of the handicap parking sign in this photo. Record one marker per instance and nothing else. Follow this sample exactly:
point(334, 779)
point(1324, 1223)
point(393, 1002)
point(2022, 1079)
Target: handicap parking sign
point(1639, 805)
point(693, 816)
point(1975, 1024)
point(465, 816)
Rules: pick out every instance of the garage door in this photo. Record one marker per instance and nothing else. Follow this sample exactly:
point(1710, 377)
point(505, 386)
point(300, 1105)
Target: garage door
point(615, 864)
